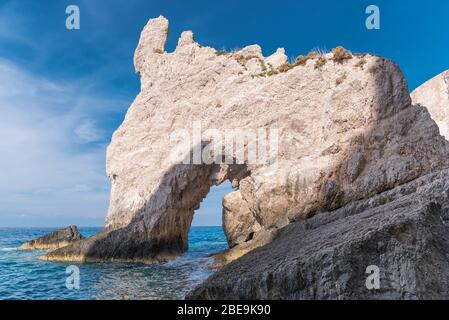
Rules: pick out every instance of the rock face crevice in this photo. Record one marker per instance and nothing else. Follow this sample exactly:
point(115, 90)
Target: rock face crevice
point(347, 130)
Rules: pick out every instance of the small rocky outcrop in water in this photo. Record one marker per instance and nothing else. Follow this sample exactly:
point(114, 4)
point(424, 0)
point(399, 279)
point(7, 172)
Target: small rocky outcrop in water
point(434, 95)
point(54, 240)
point(347, 130)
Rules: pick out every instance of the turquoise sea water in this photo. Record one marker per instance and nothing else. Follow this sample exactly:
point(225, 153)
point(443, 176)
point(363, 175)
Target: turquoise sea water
point(24, 276)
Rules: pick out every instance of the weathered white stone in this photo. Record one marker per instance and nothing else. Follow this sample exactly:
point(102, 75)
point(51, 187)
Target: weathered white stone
point(277, 59)
point(152, 40)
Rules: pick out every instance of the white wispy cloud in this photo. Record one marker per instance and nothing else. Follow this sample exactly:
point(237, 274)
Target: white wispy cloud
point(43, 169)
point(53, 132)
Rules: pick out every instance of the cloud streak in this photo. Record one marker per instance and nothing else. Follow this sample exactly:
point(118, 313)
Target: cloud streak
point(52, 151)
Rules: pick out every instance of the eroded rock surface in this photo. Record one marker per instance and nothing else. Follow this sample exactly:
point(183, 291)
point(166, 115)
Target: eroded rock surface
point(346, 130)
point(54, 240)
point(403, 232)
point(434, 95)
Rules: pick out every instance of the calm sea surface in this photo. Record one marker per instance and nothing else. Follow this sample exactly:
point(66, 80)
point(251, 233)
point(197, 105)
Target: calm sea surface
point(24, 276)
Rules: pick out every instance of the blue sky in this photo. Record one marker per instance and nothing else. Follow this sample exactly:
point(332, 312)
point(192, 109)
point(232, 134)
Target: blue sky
point(63, 93)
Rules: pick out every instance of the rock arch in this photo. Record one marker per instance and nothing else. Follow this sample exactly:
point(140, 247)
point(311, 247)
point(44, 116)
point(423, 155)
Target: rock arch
point(347, 130)
point(188, 185)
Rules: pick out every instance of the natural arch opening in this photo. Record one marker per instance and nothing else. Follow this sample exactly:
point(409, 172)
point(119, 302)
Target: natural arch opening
point(206, 234)
point(180, 194)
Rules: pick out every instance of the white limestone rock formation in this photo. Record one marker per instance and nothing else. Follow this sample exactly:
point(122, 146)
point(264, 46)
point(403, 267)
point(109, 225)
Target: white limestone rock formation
point(346, 130)
point(434, 95)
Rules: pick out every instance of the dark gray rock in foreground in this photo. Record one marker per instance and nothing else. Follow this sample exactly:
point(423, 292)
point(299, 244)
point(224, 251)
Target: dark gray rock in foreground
point(54, 240)
point(404, 232)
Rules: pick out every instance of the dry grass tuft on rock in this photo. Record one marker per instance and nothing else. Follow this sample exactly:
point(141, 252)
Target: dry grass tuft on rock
point(341, 54)
point(301, 60)
point(244, 59)
point(221, 53)
point(285, 67)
